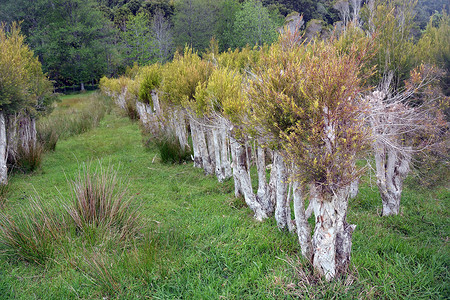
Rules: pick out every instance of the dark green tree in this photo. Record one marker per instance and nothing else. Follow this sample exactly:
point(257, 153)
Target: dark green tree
point(195, 22)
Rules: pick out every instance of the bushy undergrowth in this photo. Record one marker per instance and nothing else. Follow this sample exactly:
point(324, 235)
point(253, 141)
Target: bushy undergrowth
point(64, 123)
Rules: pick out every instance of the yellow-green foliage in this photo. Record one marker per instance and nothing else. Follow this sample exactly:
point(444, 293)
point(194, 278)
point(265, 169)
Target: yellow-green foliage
point(110, 85)
point(434, 45)
point(150, 78)
point(391, 23)
point(182, 76)
point(242, 59)
point(224, 94)
point(295, 92)
point(22, 83)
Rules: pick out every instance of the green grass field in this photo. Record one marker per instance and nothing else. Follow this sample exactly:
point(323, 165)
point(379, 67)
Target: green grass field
point(199, 242)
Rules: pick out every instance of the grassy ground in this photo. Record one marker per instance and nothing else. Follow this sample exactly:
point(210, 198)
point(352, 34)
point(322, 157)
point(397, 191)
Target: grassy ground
point(199, 242)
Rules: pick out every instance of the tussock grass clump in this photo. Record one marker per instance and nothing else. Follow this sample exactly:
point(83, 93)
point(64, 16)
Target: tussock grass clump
point(33, 233)
point(130, 108)
point(100, 202)
point(29, 158)
point(48, 135)
point(170, 149)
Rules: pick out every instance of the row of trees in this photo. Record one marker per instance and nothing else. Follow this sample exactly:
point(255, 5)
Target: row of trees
point(308, 110)
point(25, 92)
point(78, 41)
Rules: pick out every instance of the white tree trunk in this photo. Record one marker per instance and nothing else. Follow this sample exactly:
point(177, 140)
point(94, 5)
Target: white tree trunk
point(282, 206)
point(3, 146)
point(220, 170)
point(211, 148)
point(225, 151)
point(198, 163)
point(120, 100)
point(203, 150)
point(242, 174)
point(332, 235)
point(392, 167)
point(234, 158)
point(156, 106)
point(264, 192)
point(179, 124)
point(301, 221)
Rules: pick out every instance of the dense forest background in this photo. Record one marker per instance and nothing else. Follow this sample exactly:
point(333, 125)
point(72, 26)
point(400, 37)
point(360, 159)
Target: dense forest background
point(79, 41)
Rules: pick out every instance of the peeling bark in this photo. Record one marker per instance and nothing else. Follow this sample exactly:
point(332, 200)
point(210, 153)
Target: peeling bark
point(392, 167)
point(332, 234)
point(264, 192)
point(203, 150)
point(242, 175)
point(198, 163)
point(3, 167)
point(282, 207)
point(301, 221)
point(211, 148)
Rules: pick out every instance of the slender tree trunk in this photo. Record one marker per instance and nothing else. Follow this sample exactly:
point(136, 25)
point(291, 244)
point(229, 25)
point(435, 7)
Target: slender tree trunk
point(3, 147)
point(82, 87)
point(217, 153)
point(241, 172)
point(203, 150)
point(332, 234)
point(179, 124)
point(225, 151)
point(211, 147)
point(282, 207)
point(264, 193)
point(234, 157)
point(392, 167)
point(198, 162)
point(301, 221)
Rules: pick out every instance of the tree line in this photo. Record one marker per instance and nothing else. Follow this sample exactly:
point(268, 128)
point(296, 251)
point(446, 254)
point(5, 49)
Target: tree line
point(303, 111)
point(78, 41)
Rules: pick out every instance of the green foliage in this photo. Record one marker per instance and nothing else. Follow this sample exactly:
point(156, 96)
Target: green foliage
point(254, 26)
point(224, 94)
point(150, 79)
point(139, 43)
point(305, 98)
point(181, 78)
point(391, 23)
point(434, 47)
point(195, 23)
point(74, 40)
point(22, 83)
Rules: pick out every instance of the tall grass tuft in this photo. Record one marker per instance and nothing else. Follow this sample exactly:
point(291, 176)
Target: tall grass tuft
point(47, 135)
point(98, 267)
point(32, 234)
point(168, 146)
point(29, 158)
point(130, 108)
point(100, 202)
